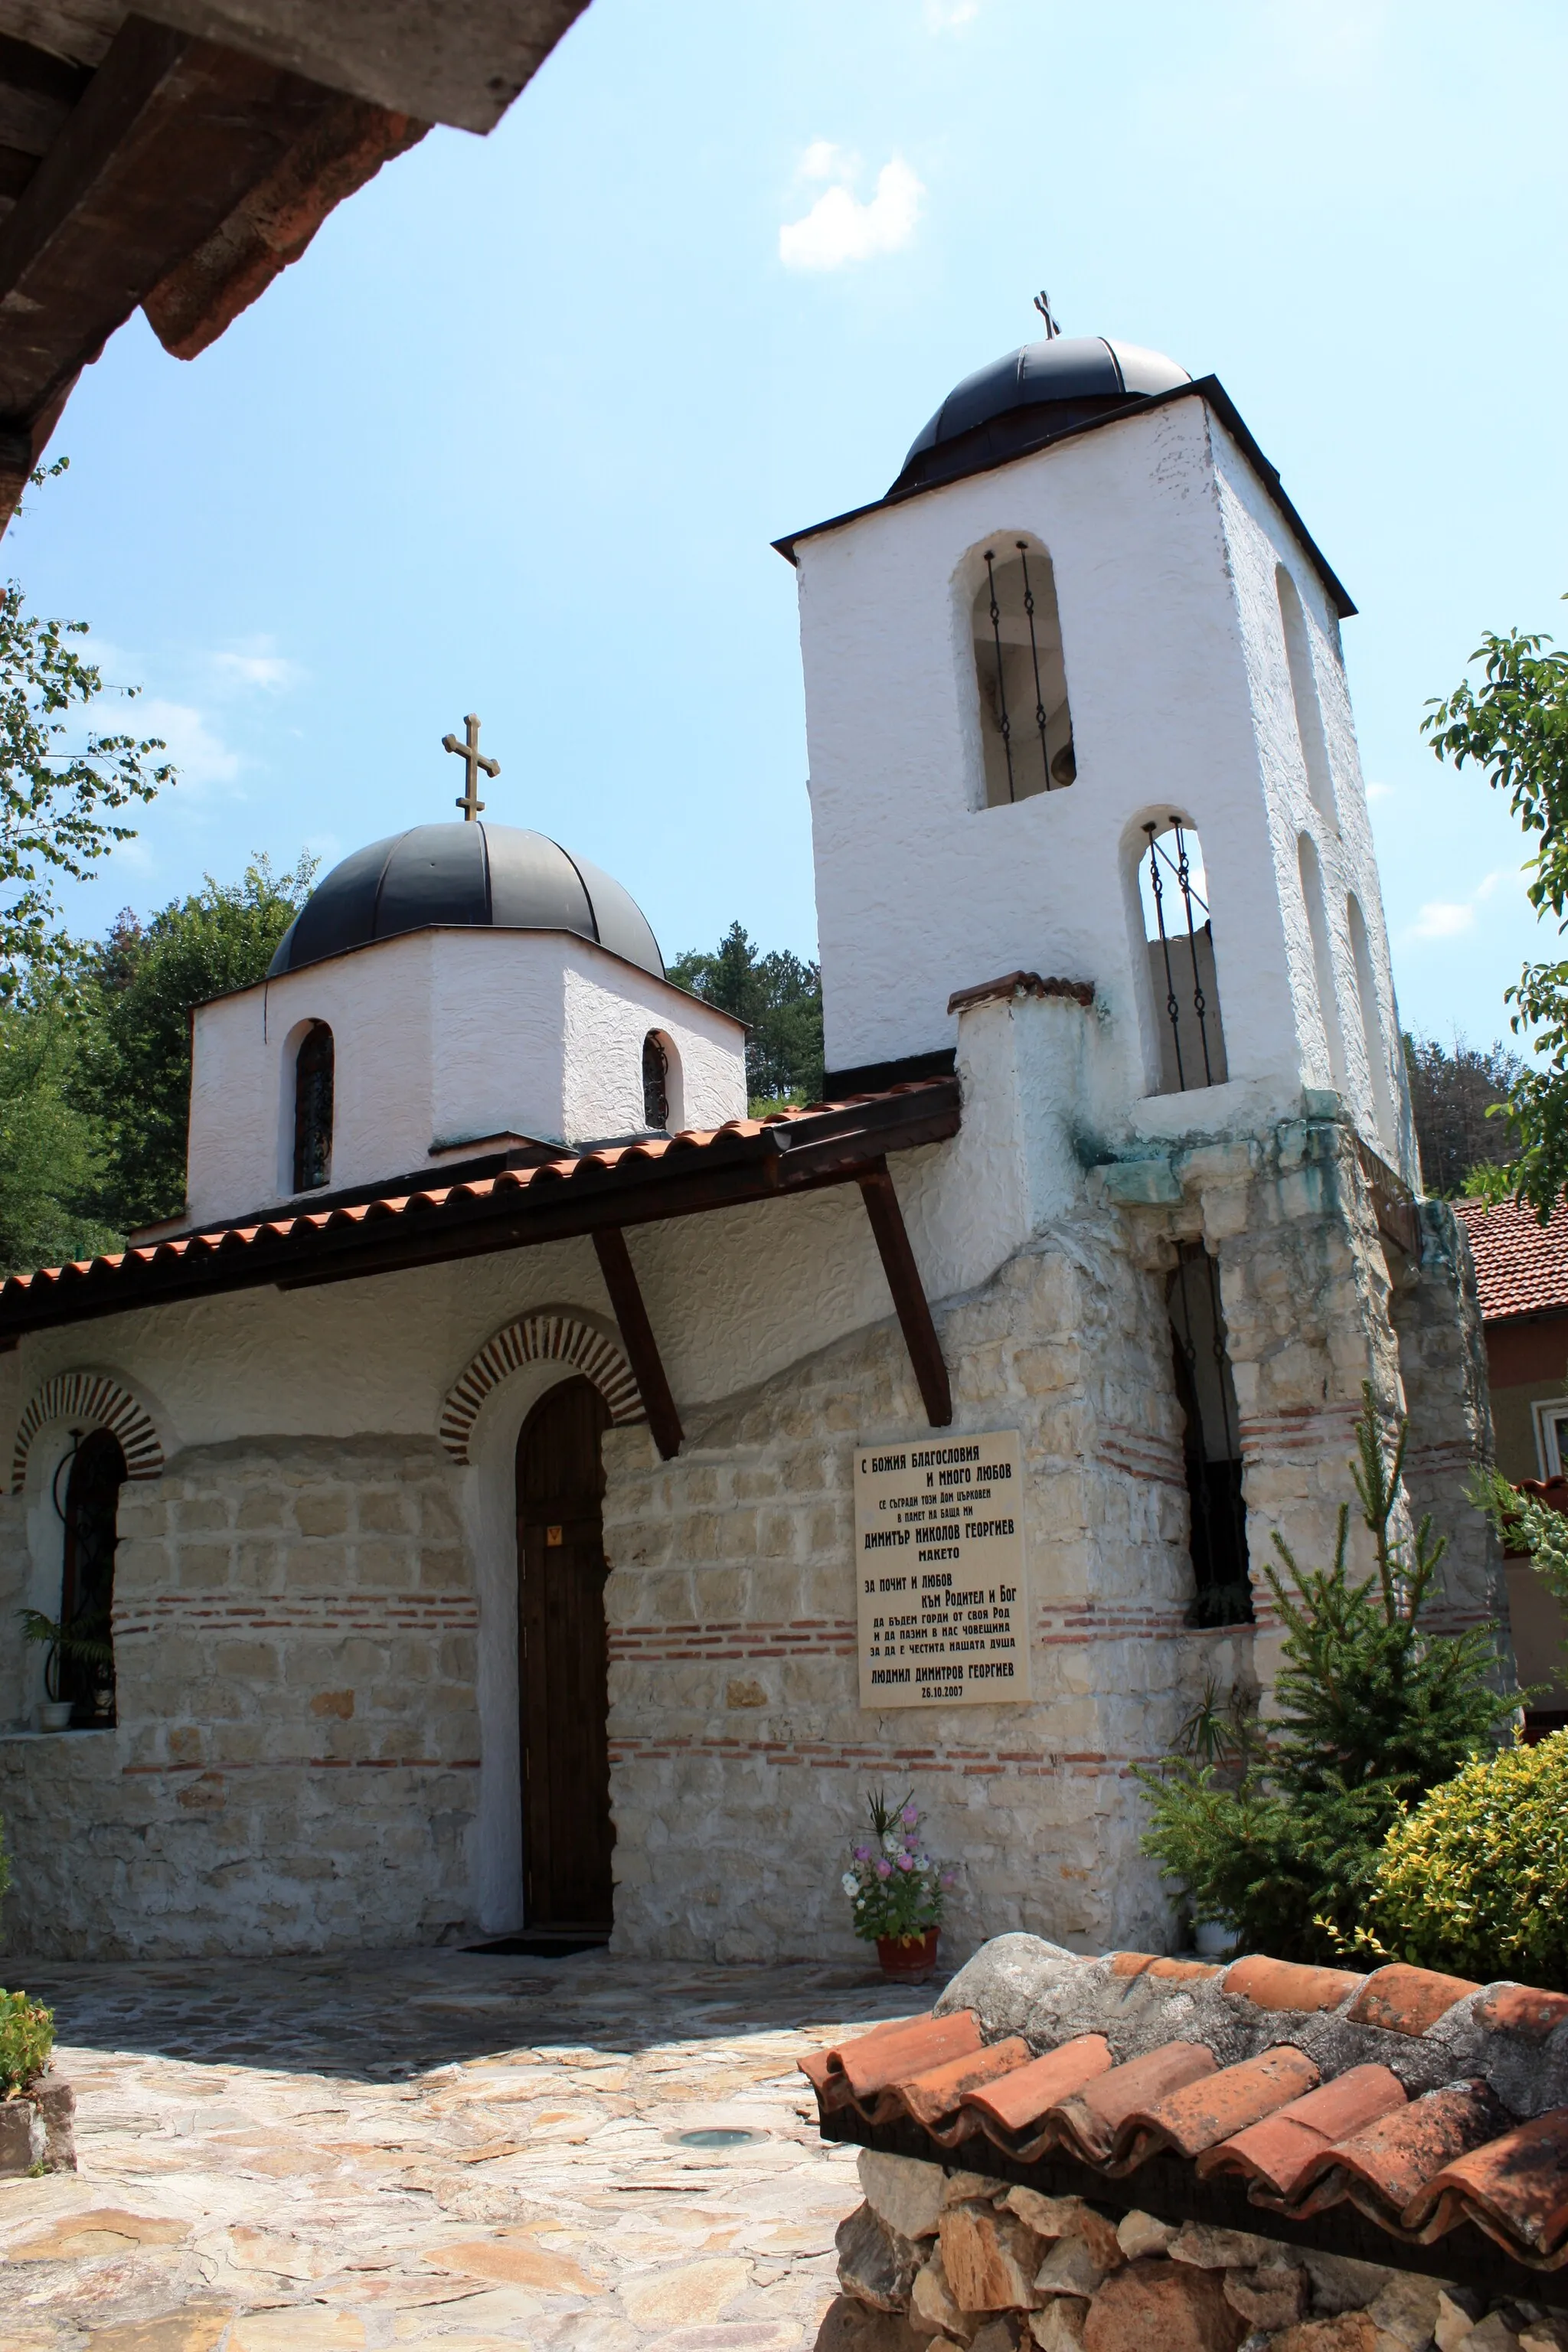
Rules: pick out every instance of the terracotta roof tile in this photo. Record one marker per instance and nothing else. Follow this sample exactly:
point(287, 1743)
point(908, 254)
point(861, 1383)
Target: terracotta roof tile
point(1274, 2152)
point(1516, 2188)
point(1407, 2000)
point(1519, 2008)
point(1383, 2168)
point(935, 2096)
point(743, 1159)
point(1210, 2109)
point(1220, 2071)
point(1008, 2107)
point(875, 2061)
point(1284, 1984)
point(1521, 1266)
point(1091, 2121)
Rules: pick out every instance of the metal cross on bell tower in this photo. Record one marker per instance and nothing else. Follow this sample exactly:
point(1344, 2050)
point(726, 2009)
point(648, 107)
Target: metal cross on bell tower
point(470, 802)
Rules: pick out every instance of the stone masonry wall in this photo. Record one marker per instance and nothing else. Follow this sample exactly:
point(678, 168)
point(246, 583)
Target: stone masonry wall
point(1443, 1363)
point(295, 1767)
point(956, 2258)
point(741, 1756)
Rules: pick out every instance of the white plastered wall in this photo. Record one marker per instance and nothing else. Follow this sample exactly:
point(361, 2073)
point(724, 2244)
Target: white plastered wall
point(442, 1038)
point(1158, 535)
point(1259, 544)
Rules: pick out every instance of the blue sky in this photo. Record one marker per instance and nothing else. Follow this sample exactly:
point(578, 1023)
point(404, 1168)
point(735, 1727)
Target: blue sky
point(515, 435)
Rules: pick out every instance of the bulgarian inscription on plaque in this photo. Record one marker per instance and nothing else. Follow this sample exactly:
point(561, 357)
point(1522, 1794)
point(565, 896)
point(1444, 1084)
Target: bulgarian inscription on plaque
point(939, 1557)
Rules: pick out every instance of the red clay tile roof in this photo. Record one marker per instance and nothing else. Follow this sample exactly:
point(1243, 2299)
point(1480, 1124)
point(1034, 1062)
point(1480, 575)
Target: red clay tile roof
point(642, 1183)
point(1521, 1267)
point(1422, 2101)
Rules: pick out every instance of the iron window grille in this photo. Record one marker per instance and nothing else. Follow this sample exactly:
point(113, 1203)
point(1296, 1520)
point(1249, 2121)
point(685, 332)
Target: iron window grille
point(1182, 959)
point(1024, 687)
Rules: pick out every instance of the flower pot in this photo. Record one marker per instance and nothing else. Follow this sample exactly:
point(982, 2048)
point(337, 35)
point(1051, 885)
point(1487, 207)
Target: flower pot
point(908, 1959)
point(55, 1714)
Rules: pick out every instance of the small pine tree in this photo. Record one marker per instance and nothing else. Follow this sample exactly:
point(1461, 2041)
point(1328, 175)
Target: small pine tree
point(1282, 1837)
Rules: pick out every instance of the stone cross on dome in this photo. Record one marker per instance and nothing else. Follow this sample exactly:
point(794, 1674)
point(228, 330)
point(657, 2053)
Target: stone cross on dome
point(470, 802)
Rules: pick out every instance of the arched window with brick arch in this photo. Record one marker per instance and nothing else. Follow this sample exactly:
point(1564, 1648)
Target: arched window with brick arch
point(85, 1666)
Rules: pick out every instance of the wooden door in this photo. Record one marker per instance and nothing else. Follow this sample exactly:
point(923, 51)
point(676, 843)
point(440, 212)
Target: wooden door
point(562, 1684)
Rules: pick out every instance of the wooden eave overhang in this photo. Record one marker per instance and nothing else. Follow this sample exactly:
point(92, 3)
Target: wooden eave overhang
point(597, 1193)
point(177, 160)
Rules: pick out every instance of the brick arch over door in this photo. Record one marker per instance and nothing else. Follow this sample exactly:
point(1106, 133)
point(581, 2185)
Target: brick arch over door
point(93, 1401)
point(532, 1340)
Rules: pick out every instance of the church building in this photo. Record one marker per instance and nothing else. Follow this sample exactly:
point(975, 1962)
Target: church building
point(523, 1492)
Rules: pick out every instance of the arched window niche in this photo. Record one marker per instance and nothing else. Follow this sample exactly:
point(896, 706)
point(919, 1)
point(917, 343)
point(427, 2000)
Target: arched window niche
point(1312, 893)
point(1025, 726)
point(1178, 942)
point(1211, 1443)
point(1304, 694)
point(661, 1083)
point(83, 1672)
point(1382, 1108)
point(314, 1065)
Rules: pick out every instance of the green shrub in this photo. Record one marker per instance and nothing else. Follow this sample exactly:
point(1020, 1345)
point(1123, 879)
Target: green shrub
point(1277, 1829)
point(27, 2038)
point(1474, 1879)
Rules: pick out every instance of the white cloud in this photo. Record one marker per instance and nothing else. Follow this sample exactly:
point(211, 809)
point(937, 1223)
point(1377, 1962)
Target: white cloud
point(1379, 792)
point(256, 664)
point(1441, 919)
point(201, 757)
point(824, 161)
point(840, 228)
point(948, 16)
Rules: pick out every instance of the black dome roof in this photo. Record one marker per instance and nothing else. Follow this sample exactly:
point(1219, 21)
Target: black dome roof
point(997, 411)
point(485, 874)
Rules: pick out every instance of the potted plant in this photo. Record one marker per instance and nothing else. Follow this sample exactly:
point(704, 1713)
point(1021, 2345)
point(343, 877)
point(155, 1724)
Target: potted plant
point(897, 1892)
point(82, 1642)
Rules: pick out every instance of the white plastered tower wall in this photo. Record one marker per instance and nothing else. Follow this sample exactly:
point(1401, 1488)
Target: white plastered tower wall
point(444, 1038)
point(1163, 547)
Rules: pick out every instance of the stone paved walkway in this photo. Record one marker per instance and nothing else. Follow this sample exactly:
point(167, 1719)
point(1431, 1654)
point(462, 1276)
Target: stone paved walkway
point(452, 2149)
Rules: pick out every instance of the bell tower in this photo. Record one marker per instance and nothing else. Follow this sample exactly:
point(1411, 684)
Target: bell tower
point(1076, 706)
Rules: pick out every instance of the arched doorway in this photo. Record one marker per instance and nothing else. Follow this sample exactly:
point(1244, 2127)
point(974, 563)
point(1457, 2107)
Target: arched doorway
point(87, 1586)
point(563, 1682)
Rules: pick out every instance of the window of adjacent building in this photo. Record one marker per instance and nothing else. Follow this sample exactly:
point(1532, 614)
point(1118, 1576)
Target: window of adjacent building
point(1304, 693)
point(1371, 1022)
point(1552, 1437)
point(1025, 727)
point(1222, 1589)
point(1179, 944)
point(86, 1661)
point(313, 1108)
point(1312, 874)
point(655, 1061)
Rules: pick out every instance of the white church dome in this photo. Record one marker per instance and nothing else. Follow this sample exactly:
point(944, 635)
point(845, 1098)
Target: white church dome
point(462, 876)
point(997, 411)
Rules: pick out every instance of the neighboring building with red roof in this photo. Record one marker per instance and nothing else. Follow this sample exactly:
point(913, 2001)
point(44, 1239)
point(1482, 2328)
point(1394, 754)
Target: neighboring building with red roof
point(1521, 1275)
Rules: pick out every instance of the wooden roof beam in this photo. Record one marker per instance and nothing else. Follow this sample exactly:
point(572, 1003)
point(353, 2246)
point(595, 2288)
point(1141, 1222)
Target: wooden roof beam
point(642, 1348)
point(910, 1302)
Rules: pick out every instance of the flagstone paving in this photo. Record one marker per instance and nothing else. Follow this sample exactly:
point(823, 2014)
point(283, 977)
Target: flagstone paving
point(452, 2149)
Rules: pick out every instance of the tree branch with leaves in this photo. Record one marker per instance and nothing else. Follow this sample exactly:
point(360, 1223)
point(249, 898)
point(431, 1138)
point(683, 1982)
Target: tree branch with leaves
point(1513, 724)
point(62, 785)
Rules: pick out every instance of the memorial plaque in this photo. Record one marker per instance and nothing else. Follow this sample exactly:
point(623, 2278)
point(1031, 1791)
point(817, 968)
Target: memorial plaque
point(939, 1562)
